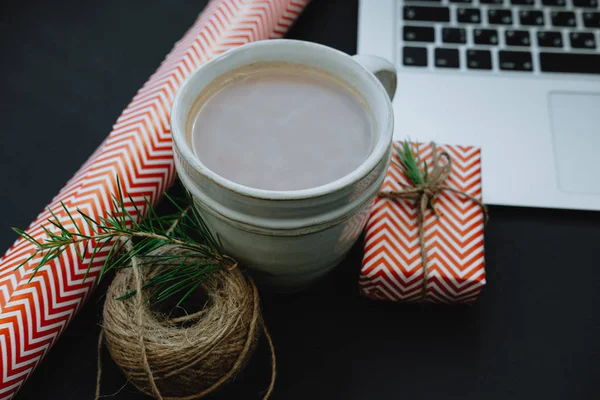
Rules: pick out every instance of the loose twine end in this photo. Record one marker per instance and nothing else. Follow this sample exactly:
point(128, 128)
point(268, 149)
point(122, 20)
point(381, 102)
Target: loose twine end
point(230, 263)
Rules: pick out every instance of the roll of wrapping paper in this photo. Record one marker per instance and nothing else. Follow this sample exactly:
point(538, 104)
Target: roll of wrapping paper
point(33, 313)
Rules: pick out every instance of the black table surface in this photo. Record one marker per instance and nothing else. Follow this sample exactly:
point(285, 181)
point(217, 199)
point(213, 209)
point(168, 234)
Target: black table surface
point(68, 70)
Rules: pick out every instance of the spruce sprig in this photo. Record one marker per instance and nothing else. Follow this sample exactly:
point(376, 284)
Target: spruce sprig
point(415, 170)
point(125, 238)
point(410, 165)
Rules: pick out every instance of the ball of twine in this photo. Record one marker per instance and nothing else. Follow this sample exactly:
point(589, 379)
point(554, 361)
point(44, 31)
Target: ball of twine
point(184, 357)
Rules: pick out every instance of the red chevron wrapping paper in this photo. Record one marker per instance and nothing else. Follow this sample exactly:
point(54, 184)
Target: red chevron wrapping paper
point(34, 313)
point(392, 268)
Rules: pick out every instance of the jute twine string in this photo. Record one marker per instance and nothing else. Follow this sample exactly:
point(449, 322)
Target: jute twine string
point(424, 195)
point(184, 357)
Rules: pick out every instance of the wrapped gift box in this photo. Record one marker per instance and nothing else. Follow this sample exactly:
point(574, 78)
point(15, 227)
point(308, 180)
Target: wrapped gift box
point(392, 267)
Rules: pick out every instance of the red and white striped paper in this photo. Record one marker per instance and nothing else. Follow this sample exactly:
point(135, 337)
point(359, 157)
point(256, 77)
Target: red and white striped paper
point(392, 267)
point(138, 150)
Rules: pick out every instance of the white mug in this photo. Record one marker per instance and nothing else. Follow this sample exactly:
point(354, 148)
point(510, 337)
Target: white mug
point(289, 239)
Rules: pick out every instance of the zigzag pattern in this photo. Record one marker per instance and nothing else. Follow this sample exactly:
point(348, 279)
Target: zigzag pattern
point(392, 267)
point(33, 313)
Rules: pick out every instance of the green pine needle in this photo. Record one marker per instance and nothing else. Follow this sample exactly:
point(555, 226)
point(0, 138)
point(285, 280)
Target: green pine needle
point(203, 254)
point(409, 163)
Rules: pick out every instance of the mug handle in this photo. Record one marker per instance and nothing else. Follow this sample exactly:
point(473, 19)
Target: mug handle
point(382, 69)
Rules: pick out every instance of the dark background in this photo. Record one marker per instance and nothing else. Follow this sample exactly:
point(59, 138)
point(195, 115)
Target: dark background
point(68, 70)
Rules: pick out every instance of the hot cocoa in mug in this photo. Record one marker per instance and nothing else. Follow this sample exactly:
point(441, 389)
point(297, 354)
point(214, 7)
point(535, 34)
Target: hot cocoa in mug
point(283, 146)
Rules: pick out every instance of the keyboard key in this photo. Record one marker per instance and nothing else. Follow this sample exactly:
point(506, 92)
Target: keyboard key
point(517, 38)
point(570, 62)
point(522, 2)
point(424, 1)
point(591, 19)
point(563, 18)
point(468, 15)
point(447, 58)
point(554, 3)
point(431, 14)
point(496, 2)
point(531, 18)
point(461, 1)
point(500, 17)
point(586, 3)
point(415, 56)
point(485, 36)
point(454, 35)
point(515, 61)
point(479, 59)
point(419, 34)
point(580, 40)
point(549, 39)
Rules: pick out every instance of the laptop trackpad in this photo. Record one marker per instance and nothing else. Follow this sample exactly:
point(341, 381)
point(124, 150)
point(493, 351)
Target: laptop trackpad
point(575, 119)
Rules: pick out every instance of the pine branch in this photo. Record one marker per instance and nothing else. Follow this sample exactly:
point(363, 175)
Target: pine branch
point(202, 254)
point(409, 164)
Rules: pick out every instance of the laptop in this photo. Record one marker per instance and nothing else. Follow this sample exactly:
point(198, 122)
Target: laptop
point(518, 78)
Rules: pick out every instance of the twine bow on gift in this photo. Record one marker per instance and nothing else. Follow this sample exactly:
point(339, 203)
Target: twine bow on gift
point(426, 185)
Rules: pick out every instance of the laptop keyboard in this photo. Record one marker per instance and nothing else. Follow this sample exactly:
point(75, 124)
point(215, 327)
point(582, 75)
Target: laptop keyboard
point(525, 36)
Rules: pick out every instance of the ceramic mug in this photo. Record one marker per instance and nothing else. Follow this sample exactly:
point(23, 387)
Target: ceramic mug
point(289, 239)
